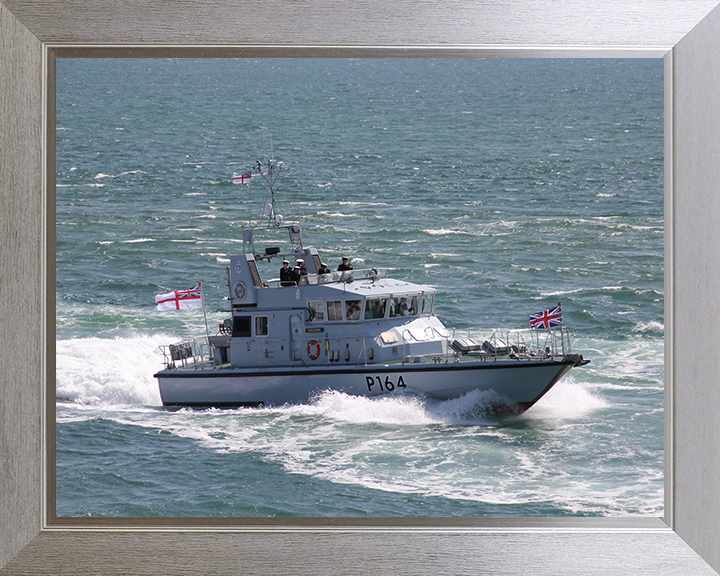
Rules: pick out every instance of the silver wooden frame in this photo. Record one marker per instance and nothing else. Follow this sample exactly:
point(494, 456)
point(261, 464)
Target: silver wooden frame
point(686, 33)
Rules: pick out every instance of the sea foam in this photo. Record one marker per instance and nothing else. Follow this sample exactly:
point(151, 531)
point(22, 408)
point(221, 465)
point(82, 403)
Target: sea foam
point(108, 371)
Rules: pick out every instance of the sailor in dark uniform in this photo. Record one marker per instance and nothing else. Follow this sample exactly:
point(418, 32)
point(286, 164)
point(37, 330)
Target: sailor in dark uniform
point(295, 275)
point(323, 269)
point(285, 274)
point(344, 265)
point(303, 270)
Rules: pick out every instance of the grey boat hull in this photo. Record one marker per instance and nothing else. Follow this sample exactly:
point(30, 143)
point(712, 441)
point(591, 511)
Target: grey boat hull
point(522, 383)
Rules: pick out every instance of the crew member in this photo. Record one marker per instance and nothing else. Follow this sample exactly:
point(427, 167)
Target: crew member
point(295, 275)
point(285, 273)
point(344, 265)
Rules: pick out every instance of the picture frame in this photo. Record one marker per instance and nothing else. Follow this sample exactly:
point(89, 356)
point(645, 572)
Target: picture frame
point(686, 33)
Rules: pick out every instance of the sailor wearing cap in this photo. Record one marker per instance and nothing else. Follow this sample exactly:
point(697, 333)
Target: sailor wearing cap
point(285, 273)
point(345, 265)
point(323, 269)
point(301, 263)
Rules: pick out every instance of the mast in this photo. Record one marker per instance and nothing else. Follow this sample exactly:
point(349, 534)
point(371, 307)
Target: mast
point(270, 177)
point(270, 171)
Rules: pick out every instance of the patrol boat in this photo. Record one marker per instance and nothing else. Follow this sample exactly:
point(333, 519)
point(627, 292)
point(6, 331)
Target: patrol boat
point(355, 331)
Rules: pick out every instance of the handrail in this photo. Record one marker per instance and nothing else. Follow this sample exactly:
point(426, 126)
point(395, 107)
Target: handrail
point(520, 343)
point(523, 343)
point(333, 277)
point(189, 352)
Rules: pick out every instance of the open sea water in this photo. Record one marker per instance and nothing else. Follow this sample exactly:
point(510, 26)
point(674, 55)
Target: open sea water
point(507, 184)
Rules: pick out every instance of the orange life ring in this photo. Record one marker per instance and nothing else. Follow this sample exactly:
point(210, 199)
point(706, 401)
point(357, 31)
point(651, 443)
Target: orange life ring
point(313, 350)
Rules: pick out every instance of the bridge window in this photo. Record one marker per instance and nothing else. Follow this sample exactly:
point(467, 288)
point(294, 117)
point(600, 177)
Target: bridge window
point(404, 306)
point(427, 303)
point(352, 309)
point(375, 308)
point(317, 311)
point(334, 309)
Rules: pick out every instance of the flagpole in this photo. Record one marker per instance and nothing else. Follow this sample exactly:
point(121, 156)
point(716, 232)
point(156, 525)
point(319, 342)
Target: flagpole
point(562, 338)
point(202, 299)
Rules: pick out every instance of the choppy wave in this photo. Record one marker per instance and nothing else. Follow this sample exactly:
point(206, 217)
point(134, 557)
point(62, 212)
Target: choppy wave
point(412, 445)
point(127, 173)
point(138, 240)
point(651, 327)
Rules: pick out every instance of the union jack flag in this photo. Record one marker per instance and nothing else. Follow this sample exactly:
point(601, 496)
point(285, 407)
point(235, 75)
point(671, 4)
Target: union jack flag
point(546, 318)
point(180, 299)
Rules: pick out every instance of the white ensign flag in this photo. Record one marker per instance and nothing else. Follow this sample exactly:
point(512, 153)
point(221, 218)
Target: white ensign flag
point(180, 299)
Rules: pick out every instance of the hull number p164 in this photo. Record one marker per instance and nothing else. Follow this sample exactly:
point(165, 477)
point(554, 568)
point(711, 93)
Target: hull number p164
point(385, 385)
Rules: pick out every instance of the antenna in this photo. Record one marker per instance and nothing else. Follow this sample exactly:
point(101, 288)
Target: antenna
point(270, 177)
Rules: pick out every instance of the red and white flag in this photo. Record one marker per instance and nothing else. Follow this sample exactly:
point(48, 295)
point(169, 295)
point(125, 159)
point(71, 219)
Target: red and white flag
point(241, 178)
point(180, 299)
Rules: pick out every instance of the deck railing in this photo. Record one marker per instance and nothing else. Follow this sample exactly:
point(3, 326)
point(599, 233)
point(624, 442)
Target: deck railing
point(336, 276)
point(524, 343)
point(521, 344)
point(195, 353)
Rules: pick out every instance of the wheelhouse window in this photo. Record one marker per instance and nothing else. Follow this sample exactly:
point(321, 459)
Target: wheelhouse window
point(406, 305)
point(375, 308)
point(334, 311)
point(261, 325)
point(427, 303)
point(242, 326)
point(317, 311)
point(352, 309)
